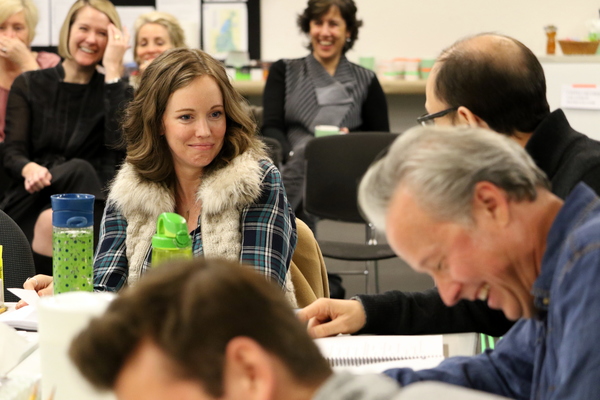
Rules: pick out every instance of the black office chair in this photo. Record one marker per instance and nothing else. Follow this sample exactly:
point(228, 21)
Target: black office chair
point(16, 255)
point(334, 166)
point(5, 179)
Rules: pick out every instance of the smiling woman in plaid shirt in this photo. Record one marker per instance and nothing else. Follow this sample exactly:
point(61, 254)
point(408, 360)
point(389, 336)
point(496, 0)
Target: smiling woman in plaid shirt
point(192, 149)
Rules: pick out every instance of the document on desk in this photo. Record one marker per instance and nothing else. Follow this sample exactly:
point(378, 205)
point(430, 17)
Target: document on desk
point(14, 348)
point(366, 353)
point(25, 317)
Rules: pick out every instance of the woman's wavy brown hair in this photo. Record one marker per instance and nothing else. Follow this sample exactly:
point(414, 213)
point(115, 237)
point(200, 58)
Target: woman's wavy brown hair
point(147, 150)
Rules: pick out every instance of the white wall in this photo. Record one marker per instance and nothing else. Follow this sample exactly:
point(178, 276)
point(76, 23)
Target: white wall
point(397, 28)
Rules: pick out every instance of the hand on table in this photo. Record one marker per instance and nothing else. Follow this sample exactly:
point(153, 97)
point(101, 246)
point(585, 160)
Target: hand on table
point(36, 177)
point(328, 317)
point(42, 284)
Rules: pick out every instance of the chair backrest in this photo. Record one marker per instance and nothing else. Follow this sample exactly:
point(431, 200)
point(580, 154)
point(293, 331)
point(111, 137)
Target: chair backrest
point(5, 179)
point(16, 255)
point(309, 273)
point(334, 166)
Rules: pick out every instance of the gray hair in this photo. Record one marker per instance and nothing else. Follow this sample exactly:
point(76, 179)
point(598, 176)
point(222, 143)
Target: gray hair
point(442, 165)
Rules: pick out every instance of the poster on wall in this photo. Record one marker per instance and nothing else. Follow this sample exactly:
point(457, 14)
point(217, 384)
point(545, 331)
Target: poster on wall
point(224, 28)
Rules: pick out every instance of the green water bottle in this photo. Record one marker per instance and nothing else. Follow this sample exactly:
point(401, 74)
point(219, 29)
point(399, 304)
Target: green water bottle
point(72, 242)
point(172, 239)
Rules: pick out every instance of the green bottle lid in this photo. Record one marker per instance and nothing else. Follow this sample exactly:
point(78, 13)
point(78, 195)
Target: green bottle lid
point(171, 232)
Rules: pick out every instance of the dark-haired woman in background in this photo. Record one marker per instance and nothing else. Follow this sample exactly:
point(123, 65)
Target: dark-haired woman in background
point(323, 88)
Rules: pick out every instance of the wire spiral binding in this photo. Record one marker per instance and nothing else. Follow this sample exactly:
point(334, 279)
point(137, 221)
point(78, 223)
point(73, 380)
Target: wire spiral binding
point(358, 361)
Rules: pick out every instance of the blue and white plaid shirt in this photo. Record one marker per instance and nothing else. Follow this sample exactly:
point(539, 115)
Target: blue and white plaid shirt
point(268, 237)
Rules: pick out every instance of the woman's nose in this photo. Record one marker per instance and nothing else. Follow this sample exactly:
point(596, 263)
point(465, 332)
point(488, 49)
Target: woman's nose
point(202, 129)
point(91, 37)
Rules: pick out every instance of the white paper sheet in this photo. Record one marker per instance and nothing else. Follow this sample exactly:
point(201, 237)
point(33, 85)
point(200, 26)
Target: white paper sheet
point(29, 296)
point(23, 318)
point(14, 348)
point(582, 97)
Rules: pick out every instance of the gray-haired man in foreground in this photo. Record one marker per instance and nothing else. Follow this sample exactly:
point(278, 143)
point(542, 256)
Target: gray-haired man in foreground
point(470, 208)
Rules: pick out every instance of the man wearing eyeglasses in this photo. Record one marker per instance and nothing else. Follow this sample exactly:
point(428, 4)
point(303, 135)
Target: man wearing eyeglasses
point(495, 82)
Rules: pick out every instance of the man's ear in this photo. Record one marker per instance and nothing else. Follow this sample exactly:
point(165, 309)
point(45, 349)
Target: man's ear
point(467, 117)
point(249, 372)
point(490, 204)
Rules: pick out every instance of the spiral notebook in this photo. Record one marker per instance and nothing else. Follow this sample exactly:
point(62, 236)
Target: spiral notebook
point(378, 353)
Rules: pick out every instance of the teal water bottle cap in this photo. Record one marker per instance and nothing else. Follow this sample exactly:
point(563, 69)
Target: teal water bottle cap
point(171, 232)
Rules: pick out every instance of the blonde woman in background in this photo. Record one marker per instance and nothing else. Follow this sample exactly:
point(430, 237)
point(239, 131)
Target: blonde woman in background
point(62, 123)
point(18, 19)
point(155, 32)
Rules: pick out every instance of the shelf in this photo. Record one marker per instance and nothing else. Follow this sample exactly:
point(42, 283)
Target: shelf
point(249, 88)
point(403, 87)
point(575, 58)
point(255, 88)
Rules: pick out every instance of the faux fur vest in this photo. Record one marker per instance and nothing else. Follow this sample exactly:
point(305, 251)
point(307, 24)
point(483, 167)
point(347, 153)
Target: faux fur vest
point(223, 194)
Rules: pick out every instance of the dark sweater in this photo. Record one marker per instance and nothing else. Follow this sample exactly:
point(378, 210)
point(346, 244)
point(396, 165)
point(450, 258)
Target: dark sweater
point(567, 157)
point(374, 110)
point(49, 121)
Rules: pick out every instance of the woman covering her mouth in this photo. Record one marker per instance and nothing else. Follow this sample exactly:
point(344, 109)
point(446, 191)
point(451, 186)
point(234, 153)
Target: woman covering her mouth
point(18, 19)
point(62, 130)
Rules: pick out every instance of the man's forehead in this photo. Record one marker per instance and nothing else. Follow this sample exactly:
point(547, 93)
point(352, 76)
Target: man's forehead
point(410, 228)
point(405, 211)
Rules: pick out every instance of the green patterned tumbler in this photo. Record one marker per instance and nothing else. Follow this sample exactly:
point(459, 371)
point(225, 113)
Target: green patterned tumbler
point(72, 242)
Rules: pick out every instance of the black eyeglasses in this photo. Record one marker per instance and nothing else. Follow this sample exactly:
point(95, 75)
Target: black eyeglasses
point(427, 119)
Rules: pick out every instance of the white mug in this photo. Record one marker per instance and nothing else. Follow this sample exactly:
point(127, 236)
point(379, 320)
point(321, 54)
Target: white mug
point(61, 318)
